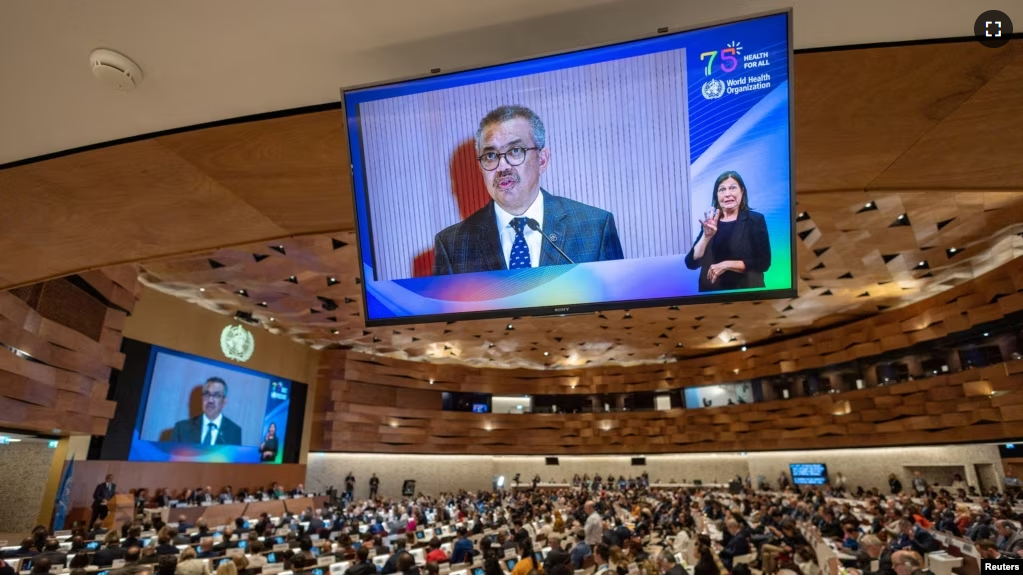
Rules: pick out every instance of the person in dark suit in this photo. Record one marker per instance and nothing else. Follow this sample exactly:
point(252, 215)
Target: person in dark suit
point(268, 449)
point(100, 498)
point(211, 428)
point(111, 551)
point(513, 154)
point(733, 250)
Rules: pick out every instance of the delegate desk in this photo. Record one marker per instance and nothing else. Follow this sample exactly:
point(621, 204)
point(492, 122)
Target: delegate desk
point(299, 505)
point(543, 486)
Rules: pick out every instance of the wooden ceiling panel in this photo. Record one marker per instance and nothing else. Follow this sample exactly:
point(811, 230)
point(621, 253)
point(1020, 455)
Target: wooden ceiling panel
point(105, 202)
point(858, 111)
point(976, 147)
point(294, 170)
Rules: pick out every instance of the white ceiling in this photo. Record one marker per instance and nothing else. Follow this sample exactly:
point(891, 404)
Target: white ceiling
point(210, 60)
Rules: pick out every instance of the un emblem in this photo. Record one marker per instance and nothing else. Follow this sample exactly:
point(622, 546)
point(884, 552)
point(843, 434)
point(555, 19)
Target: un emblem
point(713, 89)
point(237, 343)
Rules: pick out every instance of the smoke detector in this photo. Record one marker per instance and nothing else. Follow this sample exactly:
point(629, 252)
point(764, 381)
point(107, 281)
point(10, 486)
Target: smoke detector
point(115, 70)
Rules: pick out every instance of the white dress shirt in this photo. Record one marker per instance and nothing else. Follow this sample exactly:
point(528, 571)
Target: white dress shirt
point(206, 425)
point(507, 231)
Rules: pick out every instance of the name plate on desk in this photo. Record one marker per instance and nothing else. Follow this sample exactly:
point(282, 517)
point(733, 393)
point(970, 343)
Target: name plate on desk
point(117, 564)
point(230, 552)
point(280, 547)
point(325, 560)
point(282, 531)
point(276, 568)
point(204, 504)
point(181, 505)
point(266, 499)
point(250, 499)
point(283, 497)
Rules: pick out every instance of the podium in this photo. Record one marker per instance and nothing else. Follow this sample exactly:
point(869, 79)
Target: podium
point(122, 509)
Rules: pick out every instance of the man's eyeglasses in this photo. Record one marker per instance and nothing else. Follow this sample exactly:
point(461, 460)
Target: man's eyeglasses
point(514, 157)
point(213, 395)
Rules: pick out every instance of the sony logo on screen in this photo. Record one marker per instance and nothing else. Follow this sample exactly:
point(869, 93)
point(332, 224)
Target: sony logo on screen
point(565, 309)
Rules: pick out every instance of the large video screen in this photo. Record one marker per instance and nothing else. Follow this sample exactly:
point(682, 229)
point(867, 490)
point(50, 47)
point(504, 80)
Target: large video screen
point(651, 172)
point(815, 474)
point(199, 410)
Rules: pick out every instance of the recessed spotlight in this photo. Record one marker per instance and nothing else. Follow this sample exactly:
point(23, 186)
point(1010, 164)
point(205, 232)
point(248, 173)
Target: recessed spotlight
point(736, 371)
point(922, 263)
point(546, 353)
point(292, 278)
point(868, 204)
point(202, 289)
point(262, 303)
point(332, 279)
point(431, 381)
point(985, 334)
point(335, 331)
point(901, 217)
point(743, 348)
point(802, 214)
point(243, 292)
point(271, 318)
point(509, 327)
point(952, 250)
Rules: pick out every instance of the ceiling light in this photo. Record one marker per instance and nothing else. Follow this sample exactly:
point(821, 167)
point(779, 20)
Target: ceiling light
point(431, 381)
point(952, 250)
point(262, 303)
point(242, 292)
point(332, 279)
point(868, 204)
point(922, 263)
point(202, 289)
point(802, 214)
point(743, 348)
point(335, 331)
point(546, 353)
point(985, 334)
point(509, 327)
point(901, 217)
point(271, 318)
point(292, 278)
point(736, 371)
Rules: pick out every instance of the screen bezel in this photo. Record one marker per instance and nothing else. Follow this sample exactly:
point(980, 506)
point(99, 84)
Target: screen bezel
point(743, 295)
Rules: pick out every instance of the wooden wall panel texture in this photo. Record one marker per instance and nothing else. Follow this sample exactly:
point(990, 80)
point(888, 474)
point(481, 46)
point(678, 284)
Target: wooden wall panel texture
point(61, 344)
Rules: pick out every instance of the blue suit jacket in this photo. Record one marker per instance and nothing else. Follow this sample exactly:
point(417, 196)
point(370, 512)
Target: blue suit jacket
point(585, 233)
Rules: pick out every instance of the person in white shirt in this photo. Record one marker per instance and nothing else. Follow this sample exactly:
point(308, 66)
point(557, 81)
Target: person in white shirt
point(594, 527)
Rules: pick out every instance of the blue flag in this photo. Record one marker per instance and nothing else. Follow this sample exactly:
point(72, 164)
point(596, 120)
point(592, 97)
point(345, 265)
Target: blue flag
point(63, 506)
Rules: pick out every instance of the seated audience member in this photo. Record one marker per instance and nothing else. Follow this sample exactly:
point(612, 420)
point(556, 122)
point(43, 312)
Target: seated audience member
point(407, 564)
point(26, 550)
point(602, 558)
point(166, 565)
point(51, 551)
point(206, 548)
point(164, 541)
point(256, 558)
point(111, 551)
point(705, 563)
point(556, 556)
point(1008, 537)
point(362, 564)
point(738, 543)
point(667, 564)
point(436, 554)
point(580, 551)
point(134, 538)
point(227, 568)
point(41, 567)
point(190, 565)
point(908, 562)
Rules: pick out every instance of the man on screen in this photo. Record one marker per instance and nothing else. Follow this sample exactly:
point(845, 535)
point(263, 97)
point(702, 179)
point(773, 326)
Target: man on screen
point(511, 144)
point(211, 428)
